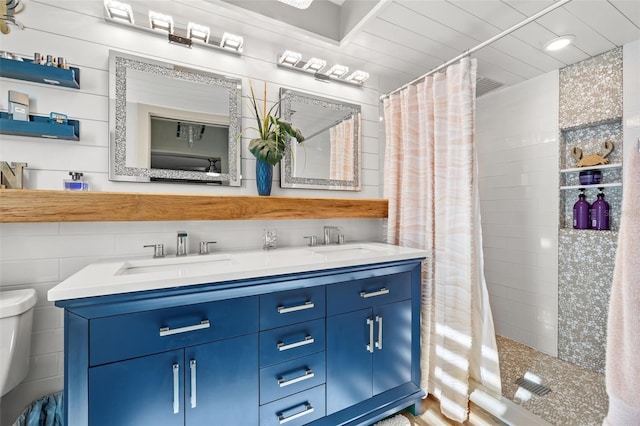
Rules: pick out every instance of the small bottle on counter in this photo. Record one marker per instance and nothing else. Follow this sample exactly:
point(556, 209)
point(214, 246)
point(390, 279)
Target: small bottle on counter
point(581, 212)
point(76, 183)
point(600, 213)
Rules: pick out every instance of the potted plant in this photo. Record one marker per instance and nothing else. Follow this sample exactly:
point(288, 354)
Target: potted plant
point(269, 146)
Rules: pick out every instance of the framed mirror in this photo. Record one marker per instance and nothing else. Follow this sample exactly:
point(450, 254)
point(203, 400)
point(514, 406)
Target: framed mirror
point(330, 156)
point(169, 123)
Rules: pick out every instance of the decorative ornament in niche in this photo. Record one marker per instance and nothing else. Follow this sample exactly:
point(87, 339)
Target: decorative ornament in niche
point(11, 175)
point(8, 10)
point(593, 159)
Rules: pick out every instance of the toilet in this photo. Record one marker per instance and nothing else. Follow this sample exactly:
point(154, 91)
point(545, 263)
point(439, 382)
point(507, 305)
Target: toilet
point(16, 318)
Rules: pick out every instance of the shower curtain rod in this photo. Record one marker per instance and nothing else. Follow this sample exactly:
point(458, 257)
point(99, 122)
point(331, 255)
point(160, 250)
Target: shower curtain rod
point(506, 32)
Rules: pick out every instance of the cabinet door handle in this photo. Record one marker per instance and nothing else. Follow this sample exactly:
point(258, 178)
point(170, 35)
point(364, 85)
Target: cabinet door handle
point(306, 305)
point(380, 292)
point(308, 374)
point(192, 365)
point(176, 388)
point(308, 409)
point(166, 331)
point(370, 345)
point(379, 342)
point(307, 341)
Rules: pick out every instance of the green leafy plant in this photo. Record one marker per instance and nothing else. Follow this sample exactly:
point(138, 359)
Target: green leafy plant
point(270, 145)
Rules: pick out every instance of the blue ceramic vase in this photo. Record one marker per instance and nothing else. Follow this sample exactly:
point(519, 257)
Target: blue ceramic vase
point(264, 177)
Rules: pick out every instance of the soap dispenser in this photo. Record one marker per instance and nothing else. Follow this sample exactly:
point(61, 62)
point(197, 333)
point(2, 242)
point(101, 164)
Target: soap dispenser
point(581, 212)
point(600, 212)
point(76, 183)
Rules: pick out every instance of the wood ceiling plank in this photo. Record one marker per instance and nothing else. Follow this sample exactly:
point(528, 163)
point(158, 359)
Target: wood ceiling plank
point(494, 12)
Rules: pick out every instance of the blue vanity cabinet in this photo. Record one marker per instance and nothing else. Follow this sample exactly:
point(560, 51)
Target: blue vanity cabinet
point(335, 347)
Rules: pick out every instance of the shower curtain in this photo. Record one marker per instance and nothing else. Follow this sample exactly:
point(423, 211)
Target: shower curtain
point(431, 184)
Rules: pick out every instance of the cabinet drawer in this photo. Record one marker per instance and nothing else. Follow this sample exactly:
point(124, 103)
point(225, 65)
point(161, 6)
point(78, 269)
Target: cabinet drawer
point(285, 343)
point(290, 307)
point(368, 292)
point(295, 410)
point(127, 336)
point(287, 378)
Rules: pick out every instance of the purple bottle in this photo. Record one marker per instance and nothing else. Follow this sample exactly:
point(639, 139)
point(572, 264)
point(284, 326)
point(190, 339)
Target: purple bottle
point(581, 212)
point(600, 213)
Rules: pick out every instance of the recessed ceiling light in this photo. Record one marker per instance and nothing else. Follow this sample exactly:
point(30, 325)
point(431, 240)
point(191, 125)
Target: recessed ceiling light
point(299, 4)
point(559, 43)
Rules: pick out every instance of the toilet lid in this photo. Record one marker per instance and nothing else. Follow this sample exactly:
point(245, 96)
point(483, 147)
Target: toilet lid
point(15, 302)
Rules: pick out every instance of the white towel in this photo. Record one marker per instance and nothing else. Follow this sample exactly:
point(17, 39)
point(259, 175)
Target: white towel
point(623, 330)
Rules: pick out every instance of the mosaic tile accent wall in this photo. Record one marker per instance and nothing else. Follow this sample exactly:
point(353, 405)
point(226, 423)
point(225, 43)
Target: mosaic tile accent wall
point(590, 112)
point(586, 271)
point(591, 90)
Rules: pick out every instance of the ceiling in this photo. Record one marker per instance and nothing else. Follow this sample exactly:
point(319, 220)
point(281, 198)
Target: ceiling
point(397, 41)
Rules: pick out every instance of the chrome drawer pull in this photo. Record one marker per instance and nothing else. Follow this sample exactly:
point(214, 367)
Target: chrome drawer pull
point(370, 345)
point(176, 388)
point(166, 331)
point(307, 341)
point(380, 292)
point(307, 375)
point(307, 305)
point(379, 342)
point(308, 409)
point(192, 365)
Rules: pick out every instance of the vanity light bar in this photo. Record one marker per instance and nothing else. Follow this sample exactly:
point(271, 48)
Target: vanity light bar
point(198, 32)
point(338, 71)
point(293, 61)
point(118, 10)
point(122, 14)
point(358, 76)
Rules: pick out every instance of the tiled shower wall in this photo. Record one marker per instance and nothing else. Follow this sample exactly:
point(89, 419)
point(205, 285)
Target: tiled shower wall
point(591, 107)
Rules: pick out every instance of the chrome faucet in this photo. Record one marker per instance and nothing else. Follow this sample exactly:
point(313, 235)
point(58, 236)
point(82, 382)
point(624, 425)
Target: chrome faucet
point(181, 248)
point(327, 234)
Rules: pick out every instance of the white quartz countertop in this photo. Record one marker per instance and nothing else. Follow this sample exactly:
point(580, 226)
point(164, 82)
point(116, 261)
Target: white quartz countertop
point(108, 278)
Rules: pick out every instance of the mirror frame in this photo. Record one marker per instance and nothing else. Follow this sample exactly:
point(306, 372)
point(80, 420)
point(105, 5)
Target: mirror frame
point(287, 98)
point(119, 63)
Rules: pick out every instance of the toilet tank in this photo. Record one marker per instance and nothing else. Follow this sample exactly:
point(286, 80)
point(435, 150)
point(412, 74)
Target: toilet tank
point(16, 319)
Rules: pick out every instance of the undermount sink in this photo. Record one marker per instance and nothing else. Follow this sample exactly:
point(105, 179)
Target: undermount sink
point(345, 250)
point(202, 263)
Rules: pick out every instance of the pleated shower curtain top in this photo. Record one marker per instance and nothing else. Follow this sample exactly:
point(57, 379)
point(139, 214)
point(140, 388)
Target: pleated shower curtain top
point(431, 184)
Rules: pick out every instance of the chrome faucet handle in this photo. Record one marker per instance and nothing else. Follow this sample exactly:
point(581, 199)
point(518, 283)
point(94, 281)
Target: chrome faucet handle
point(313, 240)
point(327, 233)
point(181, 245)
point(340, 238)
point(158, 249)
point(204, 246)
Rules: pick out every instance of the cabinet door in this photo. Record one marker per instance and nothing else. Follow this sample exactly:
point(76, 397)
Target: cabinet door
point(138, 392)
point(225, 390)
point(349, 362)
point(392, 354)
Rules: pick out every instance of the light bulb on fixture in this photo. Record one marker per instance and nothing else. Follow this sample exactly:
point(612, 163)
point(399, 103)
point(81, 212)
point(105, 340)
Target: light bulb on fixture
point(358, 76)
point(337, 71)
point(298, 4)
point(559, 43)
point(119, 10)
point(232, 42)
point(314, 64)
point(198, 32)
point(160, 21)
point(290, 57)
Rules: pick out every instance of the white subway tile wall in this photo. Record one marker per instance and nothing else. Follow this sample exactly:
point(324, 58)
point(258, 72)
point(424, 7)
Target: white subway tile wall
point(517, 136)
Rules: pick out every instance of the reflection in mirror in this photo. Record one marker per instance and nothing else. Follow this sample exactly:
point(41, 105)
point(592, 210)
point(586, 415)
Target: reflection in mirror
point(172, 124)
point(329, 158)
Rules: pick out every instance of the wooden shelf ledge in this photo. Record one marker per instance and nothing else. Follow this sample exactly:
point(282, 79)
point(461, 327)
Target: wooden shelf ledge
point(28, 205)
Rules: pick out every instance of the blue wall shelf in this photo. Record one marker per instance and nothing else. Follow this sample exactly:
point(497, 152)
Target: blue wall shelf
point(26, 70)
point(39, 127)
